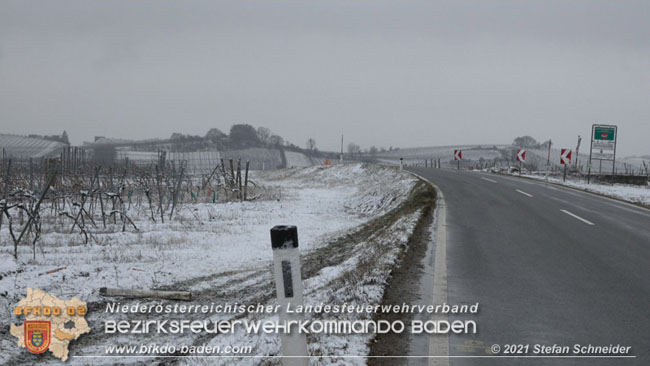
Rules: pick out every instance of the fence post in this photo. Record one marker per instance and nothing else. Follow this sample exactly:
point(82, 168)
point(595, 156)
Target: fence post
point(246, 181)
point(239, 182)
point(288, 286)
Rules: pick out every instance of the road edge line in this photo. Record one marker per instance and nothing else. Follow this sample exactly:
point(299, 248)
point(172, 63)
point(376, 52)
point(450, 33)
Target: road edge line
point(541, 181)
point(439, 344)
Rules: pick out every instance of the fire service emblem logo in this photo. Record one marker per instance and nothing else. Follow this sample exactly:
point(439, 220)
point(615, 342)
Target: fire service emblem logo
point(37, 335)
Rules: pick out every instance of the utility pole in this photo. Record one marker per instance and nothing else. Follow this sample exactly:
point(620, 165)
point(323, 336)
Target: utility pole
point(548, 158)
point(577, 149)
point(591, 149)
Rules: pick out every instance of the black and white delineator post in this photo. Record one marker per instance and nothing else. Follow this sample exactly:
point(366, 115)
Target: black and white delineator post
point(288, 286)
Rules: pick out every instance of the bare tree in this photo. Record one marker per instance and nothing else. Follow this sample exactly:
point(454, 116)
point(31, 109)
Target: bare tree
point(264, 134)
point(354, 148)
point(525, 141)
point(311, 144)
point(276, 140)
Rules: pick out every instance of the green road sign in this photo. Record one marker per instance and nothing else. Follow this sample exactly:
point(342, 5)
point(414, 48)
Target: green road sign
point(604, 133)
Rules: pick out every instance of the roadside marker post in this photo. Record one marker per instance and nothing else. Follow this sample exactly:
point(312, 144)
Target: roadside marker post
point(401, 163)
point(521, 157)
point(565, 159)
point(288, 286)
point(458, 156)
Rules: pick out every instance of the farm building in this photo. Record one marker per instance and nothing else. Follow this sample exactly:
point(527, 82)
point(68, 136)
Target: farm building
point(23, 147)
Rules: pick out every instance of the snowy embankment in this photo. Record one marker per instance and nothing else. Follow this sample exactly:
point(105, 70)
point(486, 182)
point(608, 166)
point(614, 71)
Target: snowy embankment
point(349, 242)
point(630, 193)
point(297, 160)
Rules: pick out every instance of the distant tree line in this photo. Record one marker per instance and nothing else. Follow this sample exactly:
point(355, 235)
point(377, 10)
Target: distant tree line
point(529, 142)
point(356, 150)
point(240, 136)
point(63, 138)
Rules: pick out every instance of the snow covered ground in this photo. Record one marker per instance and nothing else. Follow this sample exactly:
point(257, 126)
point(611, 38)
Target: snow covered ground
point(222, 252)
point(297, 160)
point(625, 192)
point(358, 280)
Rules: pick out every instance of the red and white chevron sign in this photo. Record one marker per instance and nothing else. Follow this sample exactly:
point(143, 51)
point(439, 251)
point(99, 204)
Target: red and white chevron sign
point(521, 155)
point(565, 157)
point(458, 154)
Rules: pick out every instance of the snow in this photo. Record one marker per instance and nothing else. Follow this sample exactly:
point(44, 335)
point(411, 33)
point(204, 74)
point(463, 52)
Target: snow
point(232, 236)
point(490, 152)
point(223, 246)
point(7, 264)
point(297, 160)
point(341, 284)
point(625, 192)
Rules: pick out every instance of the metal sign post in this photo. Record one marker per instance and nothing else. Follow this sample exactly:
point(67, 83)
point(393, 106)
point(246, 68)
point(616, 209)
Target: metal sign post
point(603, 147)
point(565, 159)
point(288, 286)
point(458, 156)
point(521, 157)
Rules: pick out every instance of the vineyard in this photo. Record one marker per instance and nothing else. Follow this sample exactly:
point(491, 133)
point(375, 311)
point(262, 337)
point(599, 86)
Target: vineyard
point(208, 237)
point(48, 195)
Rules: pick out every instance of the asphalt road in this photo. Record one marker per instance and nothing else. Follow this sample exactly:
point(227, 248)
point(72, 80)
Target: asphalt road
point(548, 265)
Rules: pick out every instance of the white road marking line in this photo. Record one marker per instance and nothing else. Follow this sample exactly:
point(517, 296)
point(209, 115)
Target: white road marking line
point(439, 345)
point(578, 217)
point(524, 193)
point(612, 201)
point(489, 180)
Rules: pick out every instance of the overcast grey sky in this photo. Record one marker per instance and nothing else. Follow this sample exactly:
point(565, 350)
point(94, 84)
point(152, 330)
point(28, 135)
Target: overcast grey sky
point(400, 73)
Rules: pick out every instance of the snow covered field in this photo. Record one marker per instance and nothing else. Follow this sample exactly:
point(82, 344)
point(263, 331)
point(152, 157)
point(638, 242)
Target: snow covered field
point(221, 252)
